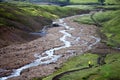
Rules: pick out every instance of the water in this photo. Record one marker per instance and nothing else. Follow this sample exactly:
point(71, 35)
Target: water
point(50, 58)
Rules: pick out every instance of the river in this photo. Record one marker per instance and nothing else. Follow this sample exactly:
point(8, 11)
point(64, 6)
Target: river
point(50, 56)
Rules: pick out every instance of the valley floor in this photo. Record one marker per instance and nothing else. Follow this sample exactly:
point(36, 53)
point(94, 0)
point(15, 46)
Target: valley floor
point(15, 56)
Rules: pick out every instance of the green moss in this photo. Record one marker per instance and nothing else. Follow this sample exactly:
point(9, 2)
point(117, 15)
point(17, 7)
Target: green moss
point(112, 2)
point(83, 7)
point(111, 26)
point(75, 63)
point(82, 1)
point(99, 17)
point(84, 19)
point(109, 71)
point(29, 15)
point(80, 75)
point(95, 1)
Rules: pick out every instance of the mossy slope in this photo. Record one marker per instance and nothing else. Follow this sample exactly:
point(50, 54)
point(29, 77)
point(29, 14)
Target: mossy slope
point(109, 71)
point(25, 17)
point(111, 26)
point(94, 1)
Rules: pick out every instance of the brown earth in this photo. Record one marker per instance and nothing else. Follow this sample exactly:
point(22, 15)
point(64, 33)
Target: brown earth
point(15, 56)
point(9, 36)
point(15, 25)
point(17, 32)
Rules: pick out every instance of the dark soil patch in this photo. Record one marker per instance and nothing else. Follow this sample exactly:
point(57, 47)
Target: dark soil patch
point(10, 36)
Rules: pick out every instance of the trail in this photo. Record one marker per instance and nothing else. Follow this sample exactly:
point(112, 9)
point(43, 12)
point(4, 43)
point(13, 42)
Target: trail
point(57, 77)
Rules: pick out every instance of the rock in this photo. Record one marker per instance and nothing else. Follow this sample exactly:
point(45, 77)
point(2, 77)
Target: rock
point(54, 24)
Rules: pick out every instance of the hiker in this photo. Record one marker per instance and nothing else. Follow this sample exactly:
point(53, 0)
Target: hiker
point(89, 64)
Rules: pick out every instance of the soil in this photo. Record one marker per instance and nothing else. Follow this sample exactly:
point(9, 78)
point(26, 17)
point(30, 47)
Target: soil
point(10, 36)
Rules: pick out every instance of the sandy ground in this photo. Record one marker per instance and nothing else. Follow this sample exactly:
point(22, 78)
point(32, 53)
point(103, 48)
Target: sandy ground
point(15, 56)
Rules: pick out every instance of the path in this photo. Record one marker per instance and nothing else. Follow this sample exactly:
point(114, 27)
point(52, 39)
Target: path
point(57, 77)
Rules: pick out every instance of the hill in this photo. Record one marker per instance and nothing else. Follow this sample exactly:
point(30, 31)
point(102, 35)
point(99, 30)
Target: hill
point(92, 1)
point(110, 23)
point(18, 19)
point(108, 71)
point(77, 68)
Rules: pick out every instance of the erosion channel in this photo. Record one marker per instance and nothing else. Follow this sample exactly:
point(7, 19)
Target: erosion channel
point(77, 39)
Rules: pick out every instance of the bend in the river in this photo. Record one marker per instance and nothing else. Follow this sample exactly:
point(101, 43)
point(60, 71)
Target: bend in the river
point(50, 56)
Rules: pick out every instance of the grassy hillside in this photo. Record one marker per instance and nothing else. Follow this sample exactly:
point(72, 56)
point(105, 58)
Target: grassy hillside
point(111, 26)
point(18, 19)
point(83, 1)
point(94, 1)
point(109, 71)
point(112, 1)
point(39, 15)
point(14, 16)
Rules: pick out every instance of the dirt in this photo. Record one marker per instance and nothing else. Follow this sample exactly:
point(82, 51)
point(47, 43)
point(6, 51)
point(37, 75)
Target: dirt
point(102, 49)
point(10, 36)
point(15, 56)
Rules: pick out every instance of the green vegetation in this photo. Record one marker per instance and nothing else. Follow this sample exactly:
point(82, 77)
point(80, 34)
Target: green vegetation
point(46, 11)
point(32, 16)
point(111, 26)
point(112, 1)
point(19, 18)
point(105, 17)
point(94, 1)
point(111, 29)
point(83, 1)
point(92, 7)
point(65, 2)
point(109, 71)
point(74, 63)
point(83, 7)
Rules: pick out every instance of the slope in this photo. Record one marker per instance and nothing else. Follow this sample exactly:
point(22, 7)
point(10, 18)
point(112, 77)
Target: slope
point(17, 20)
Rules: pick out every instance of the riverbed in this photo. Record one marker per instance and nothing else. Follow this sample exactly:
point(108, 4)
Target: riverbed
point(60, 43)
